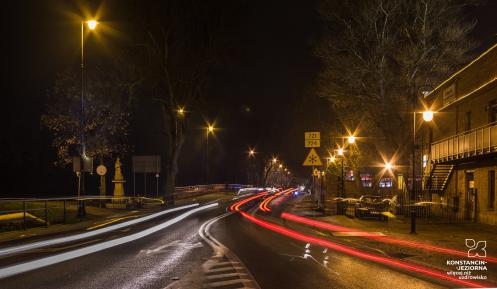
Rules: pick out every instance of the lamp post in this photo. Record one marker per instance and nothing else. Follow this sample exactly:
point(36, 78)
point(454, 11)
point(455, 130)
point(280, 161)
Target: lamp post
point(180, 114)
point(251, 171)
point(427, 116)
point(92, 24)
point(341, 154)
point(208, 130)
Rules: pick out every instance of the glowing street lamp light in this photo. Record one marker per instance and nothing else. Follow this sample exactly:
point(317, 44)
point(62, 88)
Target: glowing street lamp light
point(340, 151)
point(351, 139)
point(428, 115)
point(388, 166)
point(275, 160)
point(251, 152)
point(332, 159)
point(280, 166)
point(181, 111)
point(210, 129)
point(92, 24)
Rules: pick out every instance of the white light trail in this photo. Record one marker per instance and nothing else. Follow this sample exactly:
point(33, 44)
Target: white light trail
point(56, 241)
point(47, 261)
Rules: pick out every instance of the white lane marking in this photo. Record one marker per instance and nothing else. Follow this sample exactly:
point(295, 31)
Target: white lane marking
point(225, 283)
point(45, 243)
point(220, 250)
point(226, 275)
point(43, 262)
point(224, 269)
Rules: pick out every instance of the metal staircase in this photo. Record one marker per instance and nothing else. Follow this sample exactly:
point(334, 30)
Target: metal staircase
point(439, 177)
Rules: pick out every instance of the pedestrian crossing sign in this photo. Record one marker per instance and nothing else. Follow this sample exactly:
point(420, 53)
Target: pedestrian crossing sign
point(312, 159)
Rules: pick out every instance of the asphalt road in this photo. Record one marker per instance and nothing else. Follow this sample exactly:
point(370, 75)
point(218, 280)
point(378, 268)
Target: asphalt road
point(173, 255)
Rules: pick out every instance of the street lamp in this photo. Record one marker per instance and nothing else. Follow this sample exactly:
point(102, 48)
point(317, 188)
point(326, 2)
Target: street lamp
point(92, 24)
point(181, 111)
point(388, 166)
point(351, 139)
point(251, 153)
point(208, 130)
point(427, 116)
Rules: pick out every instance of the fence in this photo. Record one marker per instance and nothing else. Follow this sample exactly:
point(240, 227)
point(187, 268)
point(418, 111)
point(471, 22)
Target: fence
point(28, 213)
point(25, 213)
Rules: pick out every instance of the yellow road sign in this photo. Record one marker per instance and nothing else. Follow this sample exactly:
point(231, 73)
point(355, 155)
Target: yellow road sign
point(312, 159)
point(316, 173)
point(312, 143)
point(312, 135)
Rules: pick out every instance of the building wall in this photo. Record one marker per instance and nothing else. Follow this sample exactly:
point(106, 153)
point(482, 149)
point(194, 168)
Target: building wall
point(474, 90)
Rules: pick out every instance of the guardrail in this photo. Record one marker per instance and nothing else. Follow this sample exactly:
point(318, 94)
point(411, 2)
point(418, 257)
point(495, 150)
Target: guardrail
point(478, 141)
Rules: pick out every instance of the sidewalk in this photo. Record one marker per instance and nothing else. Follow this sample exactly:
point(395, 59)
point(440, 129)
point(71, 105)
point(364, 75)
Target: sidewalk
point(450, 236)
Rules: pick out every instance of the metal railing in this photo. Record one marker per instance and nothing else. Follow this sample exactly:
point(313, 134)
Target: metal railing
point(25, 213)
point(478, 141)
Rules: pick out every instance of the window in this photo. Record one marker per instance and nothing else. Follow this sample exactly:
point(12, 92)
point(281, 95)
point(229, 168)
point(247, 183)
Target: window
point(467, 121)
point(385, 183)
point(367, 180)
point(491, 189)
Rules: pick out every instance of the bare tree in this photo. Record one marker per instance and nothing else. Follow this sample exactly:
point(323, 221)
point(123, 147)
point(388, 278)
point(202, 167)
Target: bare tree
point(377, 53)
point(106, 113)
point(176, 51)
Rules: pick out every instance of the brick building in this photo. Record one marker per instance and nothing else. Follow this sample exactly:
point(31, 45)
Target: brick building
point(459, 157)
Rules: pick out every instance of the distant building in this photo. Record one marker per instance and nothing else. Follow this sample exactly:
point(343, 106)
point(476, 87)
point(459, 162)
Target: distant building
point(459, 157)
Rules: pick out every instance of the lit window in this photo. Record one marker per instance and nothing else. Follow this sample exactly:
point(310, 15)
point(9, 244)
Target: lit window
point(385, 183)
point(367, 180)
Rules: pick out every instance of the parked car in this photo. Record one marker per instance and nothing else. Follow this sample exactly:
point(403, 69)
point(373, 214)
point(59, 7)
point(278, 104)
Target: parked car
point(369, 206)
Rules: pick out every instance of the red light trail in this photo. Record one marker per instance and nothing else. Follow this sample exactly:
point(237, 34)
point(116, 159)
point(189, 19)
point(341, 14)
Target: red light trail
point(236, 206)
point(363, 255)
point(376, 237)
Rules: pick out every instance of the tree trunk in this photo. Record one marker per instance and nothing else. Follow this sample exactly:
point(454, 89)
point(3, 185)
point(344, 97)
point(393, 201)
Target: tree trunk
point(169, 185)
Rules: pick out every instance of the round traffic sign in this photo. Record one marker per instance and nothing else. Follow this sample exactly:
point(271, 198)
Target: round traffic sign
point(101, 170)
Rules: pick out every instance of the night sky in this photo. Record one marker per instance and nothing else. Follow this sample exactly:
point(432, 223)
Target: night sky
point(262, 97)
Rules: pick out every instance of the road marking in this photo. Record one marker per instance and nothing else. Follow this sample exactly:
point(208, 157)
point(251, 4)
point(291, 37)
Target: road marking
point(43, 262)
point(224, 269)
point(224, 263)
point(224, 257)
point(110, 222)
point(40, 244)
point(226, 275)
point(225, 283)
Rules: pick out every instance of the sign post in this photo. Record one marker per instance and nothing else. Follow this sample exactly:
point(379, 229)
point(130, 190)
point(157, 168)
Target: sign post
point(313, 140)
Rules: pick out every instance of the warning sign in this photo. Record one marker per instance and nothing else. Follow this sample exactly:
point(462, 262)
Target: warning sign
point(312, 159)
